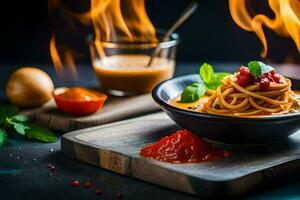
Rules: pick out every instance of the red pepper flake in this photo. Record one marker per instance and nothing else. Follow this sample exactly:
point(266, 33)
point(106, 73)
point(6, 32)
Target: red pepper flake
point(119, 195)
point(87, 184)
point(75, 183)
point(182, 147)
point(99, 191)
point(52, 168)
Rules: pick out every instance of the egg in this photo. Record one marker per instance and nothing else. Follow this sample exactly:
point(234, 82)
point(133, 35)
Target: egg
point(29, 87)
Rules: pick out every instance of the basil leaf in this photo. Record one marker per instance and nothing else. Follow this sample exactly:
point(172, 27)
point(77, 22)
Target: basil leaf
point(258, 68)
point(254, 68)
point(20, 128)
point(217, 80)
point(7, 111)
point(192, 93)
point(3, 137)
point(20, 118)
point(40, 133)
point(206, 72)
point(212, 80)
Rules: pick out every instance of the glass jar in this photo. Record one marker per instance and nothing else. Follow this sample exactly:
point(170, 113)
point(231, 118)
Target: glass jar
point(122, 67)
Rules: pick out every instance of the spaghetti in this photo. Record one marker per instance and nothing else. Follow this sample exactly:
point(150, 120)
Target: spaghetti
point(233, 99)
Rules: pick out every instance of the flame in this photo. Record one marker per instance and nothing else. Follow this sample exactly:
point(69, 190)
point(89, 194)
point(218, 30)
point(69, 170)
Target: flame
point(285, 23)
point(121, 20)
point(113, 21)
point(52, 4)
point(59, 64)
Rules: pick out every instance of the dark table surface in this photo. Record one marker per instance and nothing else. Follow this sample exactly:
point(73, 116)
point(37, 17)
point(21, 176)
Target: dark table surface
point(24, 173)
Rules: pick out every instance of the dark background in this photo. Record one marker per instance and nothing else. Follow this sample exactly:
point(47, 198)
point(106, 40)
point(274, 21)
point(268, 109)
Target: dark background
point(209, 35)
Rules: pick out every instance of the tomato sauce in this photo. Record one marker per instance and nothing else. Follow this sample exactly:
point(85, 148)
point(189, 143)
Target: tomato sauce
point(182, 147)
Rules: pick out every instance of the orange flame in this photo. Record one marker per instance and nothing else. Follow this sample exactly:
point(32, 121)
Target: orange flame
point(55, 56)
point(285, 23)
point(113, 21)
point(68, 60)
point(121, 20)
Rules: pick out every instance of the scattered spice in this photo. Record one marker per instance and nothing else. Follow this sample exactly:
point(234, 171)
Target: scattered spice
point(99, 191)
point(119, 195)
point(193, 107)
point(87, 184)
point(75, 183)
point(218, 106)
point(51, 168)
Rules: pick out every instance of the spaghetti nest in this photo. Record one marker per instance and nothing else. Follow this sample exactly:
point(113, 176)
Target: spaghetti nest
point(234, 100)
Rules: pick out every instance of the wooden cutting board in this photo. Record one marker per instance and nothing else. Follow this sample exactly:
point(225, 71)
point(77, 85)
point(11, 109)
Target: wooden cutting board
point(116, 147)
point(115, 109)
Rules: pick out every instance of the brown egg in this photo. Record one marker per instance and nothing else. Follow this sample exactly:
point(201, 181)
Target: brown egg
point(28, 87)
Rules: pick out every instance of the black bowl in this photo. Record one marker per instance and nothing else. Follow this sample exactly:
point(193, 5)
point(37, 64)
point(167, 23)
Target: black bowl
point(224, 129)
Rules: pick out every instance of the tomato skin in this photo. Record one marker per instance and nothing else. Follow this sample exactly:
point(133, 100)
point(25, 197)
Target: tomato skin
point(77, 107)
point(244, 78)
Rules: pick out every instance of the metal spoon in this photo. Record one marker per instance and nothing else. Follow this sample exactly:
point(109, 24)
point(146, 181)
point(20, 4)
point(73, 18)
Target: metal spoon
point(183, 17)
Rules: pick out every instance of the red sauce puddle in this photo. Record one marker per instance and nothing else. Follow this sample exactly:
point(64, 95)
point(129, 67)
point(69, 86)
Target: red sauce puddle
point(183, 147)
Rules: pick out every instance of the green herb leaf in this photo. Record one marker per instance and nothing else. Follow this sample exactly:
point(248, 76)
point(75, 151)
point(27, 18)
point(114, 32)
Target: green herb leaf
point(20, 118)
point(258, 68)
point(212, 80)
point(217, 80)
point(20, 128)
point(7, 111)
point(192, 93)
point(206, 72)
point(40, 133)
point(3, 137)
point(254, 68)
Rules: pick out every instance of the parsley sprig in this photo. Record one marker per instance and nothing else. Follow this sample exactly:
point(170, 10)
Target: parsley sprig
point(11, 120)
point(211, 80)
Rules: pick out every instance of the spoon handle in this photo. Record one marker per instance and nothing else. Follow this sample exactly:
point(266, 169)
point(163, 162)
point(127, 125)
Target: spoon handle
point(183, 17)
